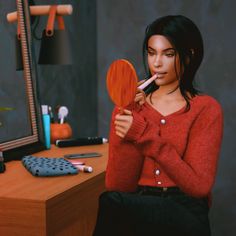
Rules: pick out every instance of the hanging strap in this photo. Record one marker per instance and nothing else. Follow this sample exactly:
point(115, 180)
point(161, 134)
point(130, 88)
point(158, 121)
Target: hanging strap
point(51, 21)
point(60, 22)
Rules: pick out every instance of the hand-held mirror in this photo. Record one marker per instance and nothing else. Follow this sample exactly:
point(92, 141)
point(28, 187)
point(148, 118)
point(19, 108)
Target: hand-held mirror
point(122, 82)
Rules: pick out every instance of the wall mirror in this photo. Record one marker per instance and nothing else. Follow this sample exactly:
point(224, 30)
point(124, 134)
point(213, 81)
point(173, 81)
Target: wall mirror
point(21, 130)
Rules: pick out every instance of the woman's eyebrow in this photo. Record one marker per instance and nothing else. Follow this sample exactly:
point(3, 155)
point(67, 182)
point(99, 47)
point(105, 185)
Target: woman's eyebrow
point(167, 49)
point(164, 50)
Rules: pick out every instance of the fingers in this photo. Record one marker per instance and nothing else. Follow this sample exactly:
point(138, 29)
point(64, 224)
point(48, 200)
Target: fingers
point(120, 134)
point(140, 91)
point(127, 112)
point(120, 131)
point(122, 116)
point(140, 97)
point(140, 82)
point(121, 128)
point(141, 102)
point(123, 123)
point(120, 123)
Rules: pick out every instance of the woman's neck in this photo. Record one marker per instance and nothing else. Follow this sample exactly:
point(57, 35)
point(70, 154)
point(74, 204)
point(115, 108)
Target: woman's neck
point(168, 92)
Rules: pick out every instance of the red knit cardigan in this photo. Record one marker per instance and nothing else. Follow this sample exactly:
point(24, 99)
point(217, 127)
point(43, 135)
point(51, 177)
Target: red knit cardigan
point(180, 149)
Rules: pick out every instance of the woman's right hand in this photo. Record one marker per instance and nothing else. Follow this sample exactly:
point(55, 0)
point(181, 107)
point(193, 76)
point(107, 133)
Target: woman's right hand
point(123, 122)
point(140, 97)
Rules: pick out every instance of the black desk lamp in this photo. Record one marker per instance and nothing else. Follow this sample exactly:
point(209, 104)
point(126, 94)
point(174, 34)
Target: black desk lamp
point(55, 47)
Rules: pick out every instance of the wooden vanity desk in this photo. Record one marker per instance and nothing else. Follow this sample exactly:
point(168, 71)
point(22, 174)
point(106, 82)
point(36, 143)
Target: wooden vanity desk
point(63, 205)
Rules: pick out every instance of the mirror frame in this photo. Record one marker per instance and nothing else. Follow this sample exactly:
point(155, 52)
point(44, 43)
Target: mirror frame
point(15, 149)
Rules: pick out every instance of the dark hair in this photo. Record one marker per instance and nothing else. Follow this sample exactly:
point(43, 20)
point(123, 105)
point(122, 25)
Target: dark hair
point(186, 39)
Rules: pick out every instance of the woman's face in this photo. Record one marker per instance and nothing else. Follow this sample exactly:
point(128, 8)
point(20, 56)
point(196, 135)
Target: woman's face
point(163, 60)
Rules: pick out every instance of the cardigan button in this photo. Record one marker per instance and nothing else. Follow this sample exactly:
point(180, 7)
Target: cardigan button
point(157, 172)
point(163, 121)
point(159, 182)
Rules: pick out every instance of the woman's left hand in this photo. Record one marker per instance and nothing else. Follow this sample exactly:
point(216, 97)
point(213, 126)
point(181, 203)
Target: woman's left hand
point(123, 123)
point(140, 97)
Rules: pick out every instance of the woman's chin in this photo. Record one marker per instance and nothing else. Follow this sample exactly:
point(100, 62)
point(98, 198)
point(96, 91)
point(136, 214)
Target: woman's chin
point(159, 81)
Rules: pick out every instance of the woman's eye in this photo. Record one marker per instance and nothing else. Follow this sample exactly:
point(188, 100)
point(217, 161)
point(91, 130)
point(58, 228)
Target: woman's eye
point(150, 53)
point(170, 54)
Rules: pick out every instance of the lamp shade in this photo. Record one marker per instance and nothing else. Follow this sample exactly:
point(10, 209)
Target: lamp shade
point(55, 49)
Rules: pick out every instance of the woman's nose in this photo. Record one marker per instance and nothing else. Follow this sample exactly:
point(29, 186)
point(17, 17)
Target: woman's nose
point(158, 61)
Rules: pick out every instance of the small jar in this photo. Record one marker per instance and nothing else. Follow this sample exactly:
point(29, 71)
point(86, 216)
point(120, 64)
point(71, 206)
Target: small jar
point(60, 131)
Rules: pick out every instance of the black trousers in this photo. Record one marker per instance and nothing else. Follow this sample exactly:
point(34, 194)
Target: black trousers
point(148, 213)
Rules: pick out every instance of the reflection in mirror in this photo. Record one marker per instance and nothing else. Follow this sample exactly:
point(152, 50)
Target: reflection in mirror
point(21, 128)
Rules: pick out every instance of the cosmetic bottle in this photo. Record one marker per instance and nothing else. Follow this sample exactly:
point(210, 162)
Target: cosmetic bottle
point(60, 131)
point(46, 126)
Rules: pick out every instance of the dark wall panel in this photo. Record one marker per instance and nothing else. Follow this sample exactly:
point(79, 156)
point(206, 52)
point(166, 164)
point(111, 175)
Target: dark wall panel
point(120, 27)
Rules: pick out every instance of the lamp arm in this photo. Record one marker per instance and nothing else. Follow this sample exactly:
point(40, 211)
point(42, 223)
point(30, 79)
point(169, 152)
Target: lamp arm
point(62, 9)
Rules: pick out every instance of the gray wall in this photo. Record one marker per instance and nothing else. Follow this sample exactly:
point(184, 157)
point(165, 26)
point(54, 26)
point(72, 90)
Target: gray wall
point(120, 27)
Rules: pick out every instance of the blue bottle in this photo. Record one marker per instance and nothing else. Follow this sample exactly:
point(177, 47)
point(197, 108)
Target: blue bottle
point(46, 126)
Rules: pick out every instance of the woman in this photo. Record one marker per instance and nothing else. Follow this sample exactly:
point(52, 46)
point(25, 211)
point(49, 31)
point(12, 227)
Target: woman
point(163, 153)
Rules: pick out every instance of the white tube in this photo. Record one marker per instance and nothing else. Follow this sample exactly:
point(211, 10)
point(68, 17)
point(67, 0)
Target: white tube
point(147, 82)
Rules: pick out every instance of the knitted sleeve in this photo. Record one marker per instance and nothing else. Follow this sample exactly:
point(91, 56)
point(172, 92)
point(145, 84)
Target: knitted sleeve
point(194, 172)
point(124, 164)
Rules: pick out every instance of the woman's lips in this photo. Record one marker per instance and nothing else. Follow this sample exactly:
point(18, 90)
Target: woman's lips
point(160, 74)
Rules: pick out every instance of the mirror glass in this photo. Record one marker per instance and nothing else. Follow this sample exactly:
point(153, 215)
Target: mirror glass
point(20, 124)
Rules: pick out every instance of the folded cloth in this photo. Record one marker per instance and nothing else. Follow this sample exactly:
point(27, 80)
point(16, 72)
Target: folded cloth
point(44, 166)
